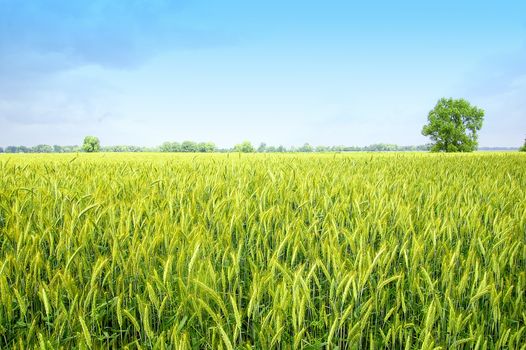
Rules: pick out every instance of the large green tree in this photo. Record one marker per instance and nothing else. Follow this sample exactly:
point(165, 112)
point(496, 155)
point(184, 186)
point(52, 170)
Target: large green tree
point(91, 144)
point(453, 126)
point(523, 148)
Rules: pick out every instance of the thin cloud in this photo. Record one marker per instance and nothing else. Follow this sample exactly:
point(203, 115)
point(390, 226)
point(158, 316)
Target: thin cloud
point(499, 75)
point(109, 33)
point(40, 40)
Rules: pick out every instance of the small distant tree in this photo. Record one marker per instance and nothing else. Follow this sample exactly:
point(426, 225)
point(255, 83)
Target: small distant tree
point(206, 147)
point(453, 126)
point(170, 147)
point(306, 148)
point(118, 148)
point(188, 146)
point(1, 150)
point(244, 147)
point(176, 147)
point(42, 149)
point(338, 148)
point(210, 147)
point(523, 148)
point(70, 149)
point(91, 144)
point(262, 147)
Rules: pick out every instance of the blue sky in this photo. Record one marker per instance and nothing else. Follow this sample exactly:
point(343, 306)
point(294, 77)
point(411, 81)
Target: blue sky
point(280, 72)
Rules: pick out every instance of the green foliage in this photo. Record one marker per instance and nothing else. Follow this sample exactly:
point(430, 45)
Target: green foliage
point(91, 144)
point(453, 126)
point(206, 147)
point(281, 251)
point(43, 149)
point(244, 147)
point(306, 148)
point(523, 148)
point(188, 146)
point(170, 147)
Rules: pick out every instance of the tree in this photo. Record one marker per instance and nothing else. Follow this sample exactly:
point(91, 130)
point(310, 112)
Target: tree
point(210, 147)
point(453, 126)
point(206, 147)
point(188, 146)
point(523, 148)
point(262, 147)
point(42, 149)
point(381, 147)
point(306, 148)
point(70, 149)
point(170, 147)
point(91, 144)
point(245, 147)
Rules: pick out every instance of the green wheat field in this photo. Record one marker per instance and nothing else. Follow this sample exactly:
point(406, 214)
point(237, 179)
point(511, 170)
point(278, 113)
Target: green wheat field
point(263, 251)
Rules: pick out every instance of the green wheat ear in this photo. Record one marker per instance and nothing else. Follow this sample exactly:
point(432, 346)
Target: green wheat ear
point(263, 251)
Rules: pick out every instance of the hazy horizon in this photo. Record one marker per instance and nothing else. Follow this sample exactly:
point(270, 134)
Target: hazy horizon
point(332, 73)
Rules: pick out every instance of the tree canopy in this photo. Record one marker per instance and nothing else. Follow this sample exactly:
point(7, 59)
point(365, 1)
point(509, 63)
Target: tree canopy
point(245, 147)
point(453, 126)
point(91, 144)
point(523, 148)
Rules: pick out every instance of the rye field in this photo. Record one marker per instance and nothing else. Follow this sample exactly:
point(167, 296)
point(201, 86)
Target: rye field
point(263, 251)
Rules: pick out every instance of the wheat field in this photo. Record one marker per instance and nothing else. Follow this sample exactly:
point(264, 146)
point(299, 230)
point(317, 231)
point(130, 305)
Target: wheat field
point(263, 251)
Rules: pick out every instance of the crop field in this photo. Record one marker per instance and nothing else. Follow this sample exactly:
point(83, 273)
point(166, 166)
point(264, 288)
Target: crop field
point(263, 251)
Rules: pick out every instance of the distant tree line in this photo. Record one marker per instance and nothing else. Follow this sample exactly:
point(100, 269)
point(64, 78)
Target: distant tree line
point(208, 147)
point(379, 147)
point(244, 147)
point(188, 146)
point(41, 149)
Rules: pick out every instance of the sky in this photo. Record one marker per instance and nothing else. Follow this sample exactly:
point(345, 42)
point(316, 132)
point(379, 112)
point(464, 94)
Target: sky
point(282, 72)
